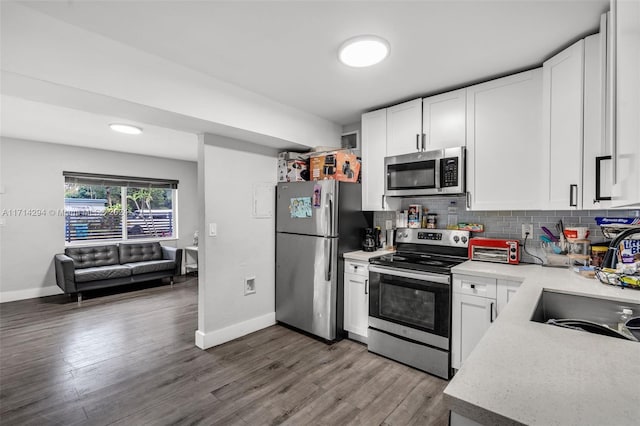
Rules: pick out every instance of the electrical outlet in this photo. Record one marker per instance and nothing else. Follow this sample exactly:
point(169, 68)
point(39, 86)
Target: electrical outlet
point(388, 224)
point(249, 285)
point(527, 227)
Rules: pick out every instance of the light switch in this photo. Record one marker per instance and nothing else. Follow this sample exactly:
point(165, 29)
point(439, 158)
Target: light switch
point(213, 230)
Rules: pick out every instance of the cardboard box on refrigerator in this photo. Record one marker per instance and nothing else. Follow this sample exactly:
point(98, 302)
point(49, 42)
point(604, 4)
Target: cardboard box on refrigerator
point(339, 165)
point(293, 167)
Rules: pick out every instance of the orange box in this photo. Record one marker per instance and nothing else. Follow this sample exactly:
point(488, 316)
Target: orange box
point(338, 165)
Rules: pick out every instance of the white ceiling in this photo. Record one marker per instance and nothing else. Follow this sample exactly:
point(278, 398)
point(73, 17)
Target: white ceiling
point(287, 50)
point(37, 121)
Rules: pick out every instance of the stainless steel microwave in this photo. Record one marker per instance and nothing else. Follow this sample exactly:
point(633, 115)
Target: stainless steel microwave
point(437, 172)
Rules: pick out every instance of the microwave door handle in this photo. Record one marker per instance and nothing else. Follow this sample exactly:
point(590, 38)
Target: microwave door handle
point(437, 176)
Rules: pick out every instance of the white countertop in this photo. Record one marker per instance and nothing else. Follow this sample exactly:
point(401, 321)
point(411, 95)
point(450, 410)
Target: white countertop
point(364, 256)
point(531, 373)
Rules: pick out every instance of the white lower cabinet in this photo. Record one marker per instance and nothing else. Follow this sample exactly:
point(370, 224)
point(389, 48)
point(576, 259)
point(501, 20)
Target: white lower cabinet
point(477, 301)
point(356, 299)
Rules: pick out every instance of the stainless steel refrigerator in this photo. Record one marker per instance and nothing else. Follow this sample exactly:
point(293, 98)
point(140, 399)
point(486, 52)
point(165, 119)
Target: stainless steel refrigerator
point(316, 223)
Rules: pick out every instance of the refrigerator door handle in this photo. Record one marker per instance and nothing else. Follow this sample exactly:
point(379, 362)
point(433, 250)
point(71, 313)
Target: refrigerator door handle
point(327, 259)
point(331, 231)
point(328, 214)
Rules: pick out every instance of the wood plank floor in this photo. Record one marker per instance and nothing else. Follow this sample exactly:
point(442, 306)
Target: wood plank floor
point(130, 359)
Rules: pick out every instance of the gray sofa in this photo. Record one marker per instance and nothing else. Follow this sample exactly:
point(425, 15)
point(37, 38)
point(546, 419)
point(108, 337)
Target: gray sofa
point(88, 268)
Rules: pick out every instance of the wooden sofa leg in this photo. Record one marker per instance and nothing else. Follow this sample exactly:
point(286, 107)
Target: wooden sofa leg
point(79, 299)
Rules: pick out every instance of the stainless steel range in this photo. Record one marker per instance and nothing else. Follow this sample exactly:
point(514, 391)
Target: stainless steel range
point(410, 298)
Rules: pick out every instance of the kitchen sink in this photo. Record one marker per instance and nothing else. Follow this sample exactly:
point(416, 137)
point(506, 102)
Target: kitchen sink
point(586, 313)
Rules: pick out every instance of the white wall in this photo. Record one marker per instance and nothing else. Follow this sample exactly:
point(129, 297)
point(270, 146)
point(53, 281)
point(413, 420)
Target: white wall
point(244, 246)
point(31, 173)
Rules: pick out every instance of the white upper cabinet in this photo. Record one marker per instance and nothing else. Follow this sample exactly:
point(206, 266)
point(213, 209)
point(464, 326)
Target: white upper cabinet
point(374, 149)
point(444, 120)
point(404, 128)
point(625, 17)
point(563, 81)
point(597, 174)
point(504, 157)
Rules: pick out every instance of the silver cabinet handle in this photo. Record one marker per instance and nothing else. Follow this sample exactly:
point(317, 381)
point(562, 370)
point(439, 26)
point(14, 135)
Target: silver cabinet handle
point(366, 286)
point(417, 142)
point(382, 204)
point(468, 200)
point(424, 136)
point(491, 312)
point(573, 188)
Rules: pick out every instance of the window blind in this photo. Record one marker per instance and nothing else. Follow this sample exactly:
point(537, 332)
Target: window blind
point(113, 180)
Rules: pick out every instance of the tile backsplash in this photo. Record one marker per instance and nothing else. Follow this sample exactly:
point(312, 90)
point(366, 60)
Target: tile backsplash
point(507, 223)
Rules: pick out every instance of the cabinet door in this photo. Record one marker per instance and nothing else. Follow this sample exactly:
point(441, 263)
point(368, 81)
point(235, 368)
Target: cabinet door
point(626, 189)
point(471, 318)
point(596, 148)
point(505, 291)
point(356, 304)
point(563, 80)
point(374, 149)
point(504, 159)
point(444, 120)
point(404, 128)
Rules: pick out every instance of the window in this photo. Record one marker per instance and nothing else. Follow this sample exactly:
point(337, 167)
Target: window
point(117, 208)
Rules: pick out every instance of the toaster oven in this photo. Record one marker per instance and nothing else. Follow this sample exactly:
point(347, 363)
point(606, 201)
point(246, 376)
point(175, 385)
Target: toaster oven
point(494, 250)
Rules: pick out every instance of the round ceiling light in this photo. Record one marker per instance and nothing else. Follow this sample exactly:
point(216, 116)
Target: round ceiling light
point(363, 51)
point(125, 128)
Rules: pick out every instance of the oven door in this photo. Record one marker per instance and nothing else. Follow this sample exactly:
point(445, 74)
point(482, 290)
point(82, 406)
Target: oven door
point(410, 304)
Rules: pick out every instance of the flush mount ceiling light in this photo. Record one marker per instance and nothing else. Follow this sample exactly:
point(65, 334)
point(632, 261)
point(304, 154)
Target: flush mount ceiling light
point(363, 51)
point(125, 128)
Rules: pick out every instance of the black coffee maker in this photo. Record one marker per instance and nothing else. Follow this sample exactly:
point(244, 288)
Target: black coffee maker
point(369, 240)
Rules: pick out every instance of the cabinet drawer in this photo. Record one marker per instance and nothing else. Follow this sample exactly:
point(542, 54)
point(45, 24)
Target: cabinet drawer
point(475, 286)
point(356, 268)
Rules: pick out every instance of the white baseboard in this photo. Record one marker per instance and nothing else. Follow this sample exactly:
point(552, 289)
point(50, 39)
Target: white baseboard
point(29, 293)
point(218, 337)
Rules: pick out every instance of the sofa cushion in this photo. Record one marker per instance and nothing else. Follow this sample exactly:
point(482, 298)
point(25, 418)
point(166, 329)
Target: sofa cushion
point(90, 257)
point(139, 252)
point(150, 266)
point(102, 273)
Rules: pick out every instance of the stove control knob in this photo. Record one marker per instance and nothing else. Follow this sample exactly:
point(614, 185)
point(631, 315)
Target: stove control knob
point(456, 238)
point(405, 234)
point(464, 239)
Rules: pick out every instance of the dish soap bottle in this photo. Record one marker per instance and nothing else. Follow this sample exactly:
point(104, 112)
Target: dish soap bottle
point(624, 317)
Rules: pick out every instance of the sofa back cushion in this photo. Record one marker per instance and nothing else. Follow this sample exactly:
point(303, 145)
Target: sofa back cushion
point(89, 257)
point(139, 252)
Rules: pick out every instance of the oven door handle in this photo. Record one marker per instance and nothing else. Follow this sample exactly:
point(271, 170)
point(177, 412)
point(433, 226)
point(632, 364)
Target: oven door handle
point(422, 276)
